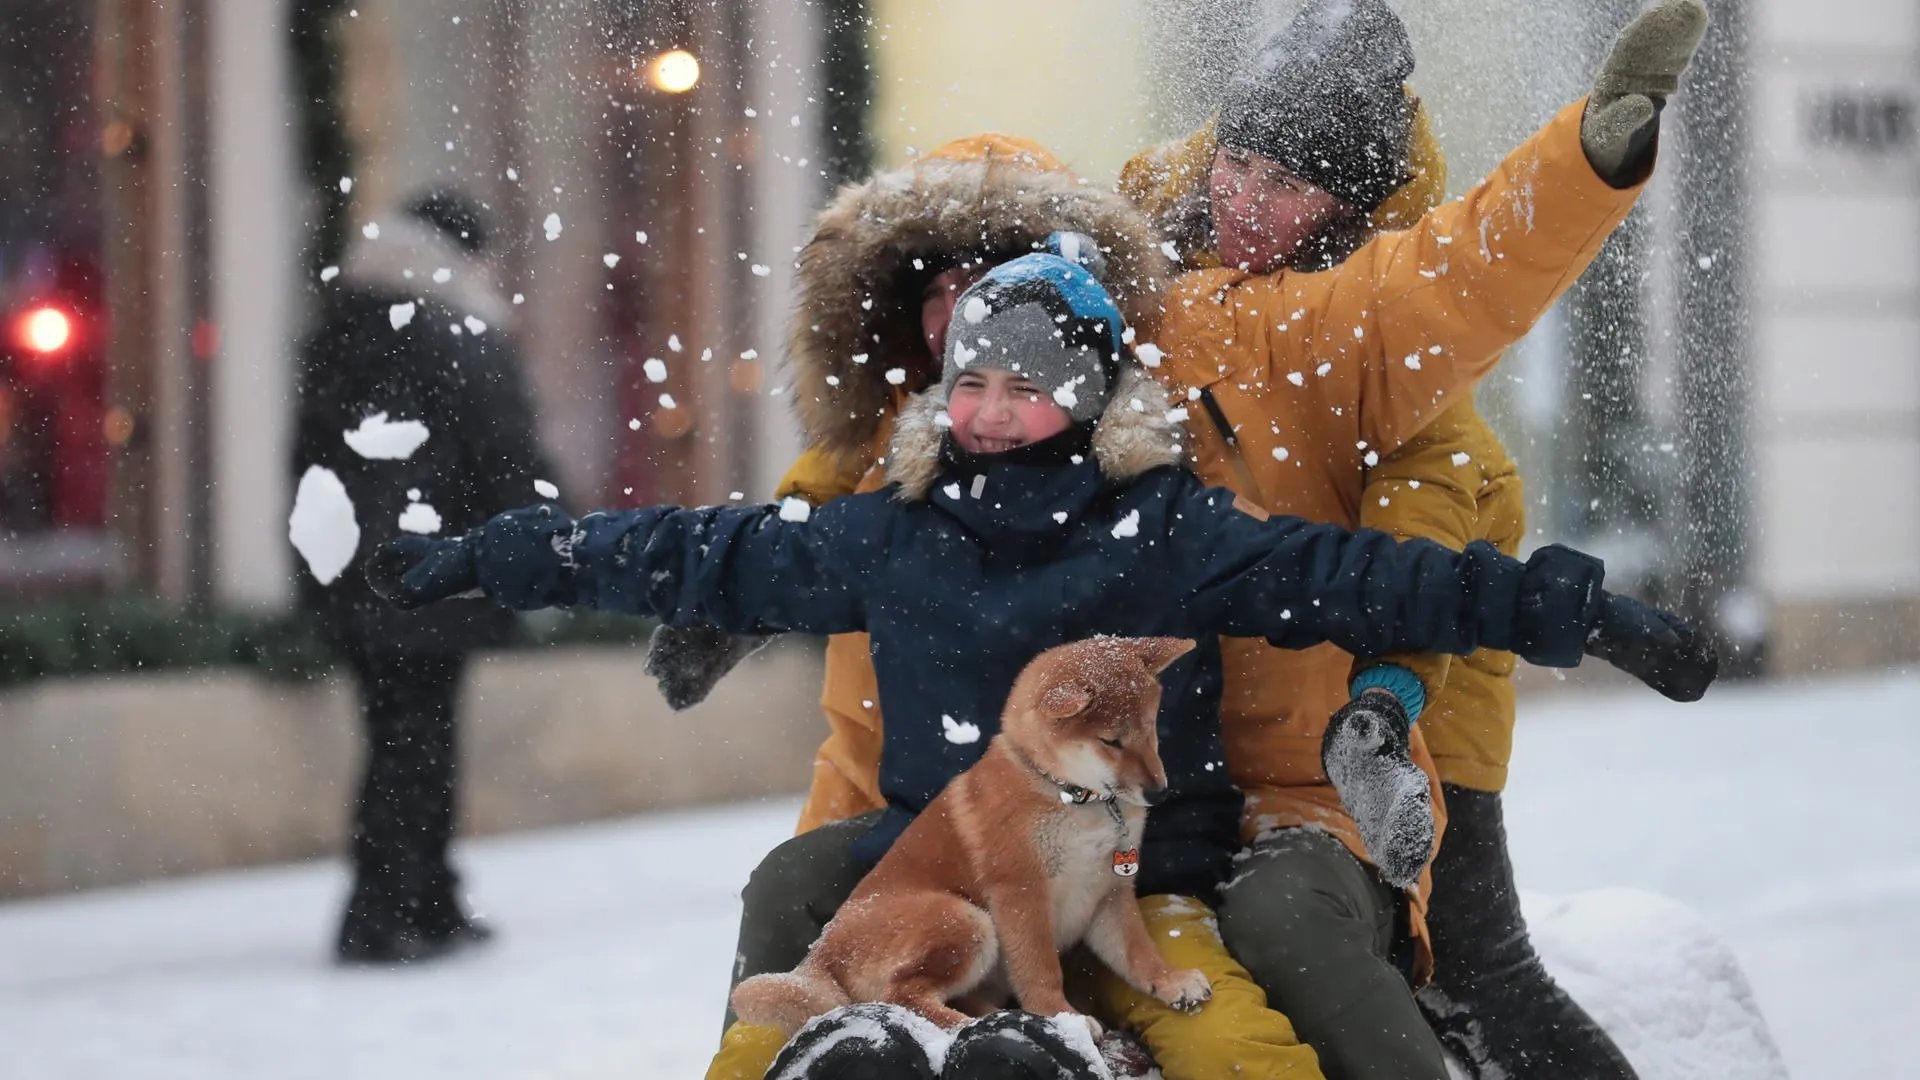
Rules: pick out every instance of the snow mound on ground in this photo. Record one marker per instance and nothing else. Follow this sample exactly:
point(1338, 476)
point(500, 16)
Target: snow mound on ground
point(322, 526)
point(1659, 979)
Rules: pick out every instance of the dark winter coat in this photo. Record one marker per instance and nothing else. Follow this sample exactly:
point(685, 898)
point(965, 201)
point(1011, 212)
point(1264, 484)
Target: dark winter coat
point(479, 457)
point(961, 575)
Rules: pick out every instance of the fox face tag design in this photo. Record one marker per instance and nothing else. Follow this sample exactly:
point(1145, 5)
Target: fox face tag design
point(1126, 863)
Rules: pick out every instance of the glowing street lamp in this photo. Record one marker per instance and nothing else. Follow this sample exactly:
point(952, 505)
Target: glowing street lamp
point(675, 71)
point(46, 330)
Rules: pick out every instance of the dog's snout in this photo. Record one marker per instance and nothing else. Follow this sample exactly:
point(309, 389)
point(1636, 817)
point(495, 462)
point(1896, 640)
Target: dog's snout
point(1155, 795)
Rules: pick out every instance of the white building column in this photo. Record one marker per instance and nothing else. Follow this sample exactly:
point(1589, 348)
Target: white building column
point(255, 223)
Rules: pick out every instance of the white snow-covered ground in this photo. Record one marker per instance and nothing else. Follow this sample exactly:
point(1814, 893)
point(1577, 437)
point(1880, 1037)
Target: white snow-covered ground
point(1782, 815)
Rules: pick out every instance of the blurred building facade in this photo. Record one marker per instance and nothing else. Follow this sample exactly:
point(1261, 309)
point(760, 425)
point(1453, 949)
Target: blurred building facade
point(1727, 407)
point(183, 172)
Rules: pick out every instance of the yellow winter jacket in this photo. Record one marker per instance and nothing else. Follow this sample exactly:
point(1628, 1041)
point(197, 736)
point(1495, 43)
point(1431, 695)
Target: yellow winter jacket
point(1454, 483)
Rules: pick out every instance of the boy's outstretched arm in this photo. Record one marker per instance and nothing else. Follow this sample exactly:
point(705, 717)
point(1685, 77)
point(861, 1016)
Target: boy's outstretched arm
point(1299, 584)
point(744, 569)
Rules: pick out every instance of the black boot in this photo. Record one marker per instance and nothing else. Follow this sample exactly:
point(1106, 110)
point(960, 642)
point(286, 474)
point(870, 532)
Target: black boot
point(870, 1041)
point(1491, 1001)
point(1016, 1045)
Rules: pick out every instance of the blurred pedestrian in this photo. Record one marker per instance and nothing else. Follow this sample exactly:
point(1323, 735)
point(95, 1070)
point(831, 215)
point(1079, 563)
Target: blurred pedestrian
point(410, 393)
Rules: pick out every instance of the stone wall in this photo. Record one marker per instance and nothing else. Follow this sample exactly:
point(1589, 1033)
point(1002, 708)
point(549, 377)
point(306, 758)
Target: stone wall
point(117, 779)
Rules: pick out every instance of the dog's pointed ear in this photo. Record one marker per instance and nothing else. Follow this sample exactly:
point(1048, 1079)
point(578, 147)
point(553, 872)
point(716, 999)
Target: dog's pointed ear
point(1061, 700)
point(1157, 652)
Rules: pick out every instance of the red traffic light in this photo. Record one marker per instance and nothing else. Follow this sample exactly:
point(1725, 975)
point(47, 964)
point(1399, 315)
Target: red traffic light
point(44, 329)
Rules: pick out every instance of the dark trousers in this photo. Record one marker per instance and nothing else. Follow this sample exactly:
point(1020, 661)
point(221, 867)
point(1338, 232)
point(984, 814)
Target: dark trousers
point(404, 819)
point(1319, 930)
point(792, 895)
point(1491, 1001)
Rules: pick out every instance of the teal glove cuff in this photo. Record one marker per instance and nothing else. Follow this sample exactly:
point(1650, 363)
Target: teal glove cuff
point(1399, 682)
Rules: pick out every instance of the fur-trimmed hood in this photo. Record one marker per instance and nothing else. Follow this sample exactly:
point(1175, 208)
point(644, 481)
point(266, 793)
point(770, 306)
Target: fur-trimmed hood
point(877, 243)
point(1137, 432)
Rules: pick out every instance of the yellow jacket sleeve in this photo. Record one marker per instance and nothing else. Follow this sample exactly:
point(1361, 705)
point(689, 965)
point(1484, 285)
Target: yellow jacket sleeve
point(1407, 324)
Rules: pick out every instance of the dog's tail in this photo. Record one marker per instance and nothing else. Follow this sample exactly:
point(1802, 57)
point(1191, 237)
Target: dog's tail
point(787, 1000)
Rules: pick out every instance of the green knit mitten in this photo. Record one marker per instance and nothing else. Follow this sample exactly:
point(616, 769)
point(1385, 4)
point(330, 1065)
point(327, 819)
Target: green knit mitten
point(1641, 71)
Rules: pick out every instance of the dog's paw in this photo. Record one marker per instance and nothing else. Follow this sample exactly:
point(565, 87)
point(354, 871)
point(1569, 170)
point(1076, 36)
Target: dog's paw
point(1184, 990)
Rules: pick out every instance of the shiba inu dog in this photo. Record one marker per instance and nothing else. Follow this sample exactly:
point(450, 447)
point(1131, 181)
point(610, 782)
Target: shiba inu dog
point(1026, 854)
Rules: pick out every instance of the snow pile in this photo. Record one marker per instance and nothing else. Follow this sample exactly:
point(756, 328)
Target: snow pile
point(322, 526)
point(381, 439)
point(1659, 979)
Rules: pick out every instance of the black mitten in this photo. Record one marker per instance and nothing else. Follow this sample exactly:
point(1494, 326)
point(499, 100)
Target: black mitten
point(1368, 757)
point(1654, 646)
point(410, 571)
point(688, 661)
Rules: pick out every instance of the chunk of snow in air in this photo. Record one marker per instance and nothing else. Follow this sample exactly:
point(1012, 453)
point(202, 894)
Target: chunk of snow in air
point(346, 184)
point(959, 732)
point(633, 425)
point(380, 439)
point(667, 402)
point(546, 489)
point(897, 376)
point(1461, 457)
point(475, 326)
point(418, 517)
point(400, 314)
point(328, 273)
point(975, 310)
point(612, 260)
point(1280, 453)
point(1065, 397)
point(761, 269)
point(442, 275)
point(322, 526)
point(1148, 353)
point(952, 490)
point(673, 342)
point(371, 230)
point(655, 369)
point(792, 509)
point(552, 225)
point(1127, 526)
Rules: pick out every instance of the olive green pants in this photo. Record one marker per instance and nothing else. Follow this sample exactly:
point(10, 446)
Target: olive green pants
point(792, 895)
point(1319, 930)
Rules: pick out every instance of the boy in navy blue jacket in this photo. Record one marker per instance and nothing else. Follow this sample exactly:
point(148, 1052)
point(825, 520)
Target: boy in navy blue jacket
point(1036, 498)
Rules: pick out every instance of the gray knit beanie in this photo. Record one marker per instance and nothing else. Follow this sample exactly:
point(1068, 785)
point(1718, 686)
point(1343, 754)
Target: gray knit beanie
point(1325, 97)
point(1046, 318)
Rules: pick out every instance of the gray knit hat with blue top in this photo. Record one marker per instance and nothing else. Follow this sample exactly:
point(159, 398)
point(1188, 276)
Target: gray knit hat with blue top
point(1047, 318)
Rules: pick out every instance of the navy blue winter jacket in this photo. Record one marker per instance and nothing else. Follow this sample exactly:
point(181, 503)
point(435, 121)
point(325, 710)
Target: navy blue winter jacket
point(962, 575)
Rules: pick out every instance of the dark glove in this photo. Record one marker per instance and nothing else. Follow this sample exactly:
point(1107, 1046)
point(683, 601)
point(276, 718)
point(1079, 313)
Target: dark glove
point(688, 661)
point(522, 559)
point(1640, 73)
point(1656, 647)
point(1368, 758)
point(410, 571)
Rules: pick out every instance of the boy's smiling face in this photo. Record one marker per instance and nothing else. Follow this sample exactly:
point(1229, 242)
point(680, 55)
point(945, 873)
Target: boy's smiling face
point(995, 410)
